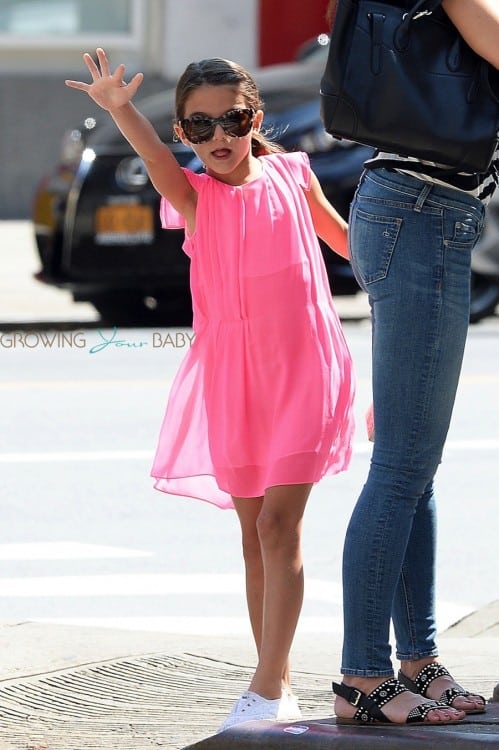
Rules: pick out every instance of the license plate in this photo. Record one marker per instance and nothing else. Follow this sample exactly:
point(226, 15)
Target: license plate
point(127, 224)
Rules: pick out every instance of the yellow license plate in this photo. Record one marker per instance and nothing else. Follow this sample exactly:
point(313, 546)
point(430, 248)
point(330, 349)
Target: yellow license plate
point(124, 224)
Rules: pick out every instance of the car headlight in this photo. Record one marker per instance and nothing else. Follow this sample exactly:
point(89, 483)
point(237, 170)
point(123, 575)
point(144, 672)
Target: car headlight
point(131, 173)
point(88, 155)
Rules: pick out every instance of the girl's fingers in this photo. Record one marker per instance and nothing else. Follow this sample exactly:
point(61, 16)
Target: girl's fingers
point(77, 85)
point(104, 65)
point(100, 71)
point(118, 74)
point(135, 83)
point(94, 70)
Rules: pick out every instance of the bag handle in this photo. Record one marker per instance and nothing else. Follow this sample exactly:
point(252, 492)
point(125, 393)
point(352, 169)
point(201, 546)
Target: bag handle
point(421, 8)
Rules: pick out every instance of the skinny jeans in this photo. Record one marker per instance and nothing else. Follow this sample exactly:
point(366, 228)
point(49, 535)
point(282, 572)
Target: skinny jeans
point(410, 246)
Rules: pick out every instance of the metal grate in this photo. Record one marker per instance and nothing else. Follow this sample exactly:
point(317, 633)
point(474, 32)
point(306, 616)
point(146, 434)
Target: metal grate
point(132, 704)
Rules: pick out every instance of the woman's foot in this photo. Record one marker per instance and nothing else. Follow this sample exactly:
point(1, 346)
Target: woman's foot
point(404, 707)
point(430, 679)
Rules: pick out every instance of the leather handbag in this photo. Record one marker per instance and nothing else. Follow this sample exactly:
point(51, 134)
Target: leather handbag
point(403, 80)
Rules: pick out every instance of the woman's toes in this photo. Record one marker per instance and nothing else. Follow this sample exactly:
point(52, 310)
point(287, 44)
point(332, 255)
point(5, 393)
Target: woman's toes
point(468, 703)
point(445, 714)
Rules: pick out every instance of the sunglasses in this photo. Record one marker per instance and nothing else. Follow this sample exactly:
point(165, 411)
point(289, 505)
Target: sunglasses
point(200, 128)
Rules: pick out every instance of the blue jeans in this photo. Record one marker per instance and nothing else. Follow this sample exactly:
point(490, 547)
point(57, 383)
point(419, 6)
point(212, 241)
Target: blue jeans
point(410, 248)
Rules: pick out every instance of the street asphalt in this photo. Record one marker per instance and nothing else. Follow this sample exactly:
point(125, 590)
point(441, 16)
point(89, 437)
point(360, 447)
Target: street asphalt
point(67, 687)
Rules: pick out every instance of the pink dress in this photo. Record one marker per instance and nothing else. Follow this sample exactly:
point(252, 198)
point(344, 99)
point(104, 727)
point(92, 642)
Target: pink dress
point(264, 395)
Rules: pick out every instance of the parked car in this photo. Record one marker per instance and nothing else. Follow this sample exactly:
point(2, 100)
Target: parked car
point(485, 266)
point(96, 216)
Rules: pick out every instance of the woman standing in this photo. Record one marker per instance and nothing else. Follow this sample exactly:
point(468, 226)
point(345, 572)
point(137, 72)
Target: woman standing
point(411, 237)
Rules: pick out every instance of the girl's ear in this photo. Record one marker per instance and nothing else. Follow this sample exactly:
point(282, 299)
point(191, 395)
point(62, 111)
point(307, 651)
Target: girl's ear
point(178, 135)
point(258, 120)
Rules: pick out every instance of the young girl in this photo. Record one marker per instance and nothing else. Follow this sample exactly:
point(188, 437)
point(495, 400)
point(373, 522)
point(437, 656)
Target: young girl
point(261, 407)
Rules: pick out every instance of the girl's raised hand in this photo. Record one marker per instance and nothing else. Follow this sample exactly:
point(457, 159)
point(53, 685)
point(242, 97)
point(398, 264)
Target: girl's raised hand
point(107, 89)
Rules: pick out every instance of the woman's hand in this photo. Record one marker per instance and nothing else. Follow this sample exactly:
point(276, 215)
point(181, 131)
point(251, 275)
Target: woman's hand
point(107, 89)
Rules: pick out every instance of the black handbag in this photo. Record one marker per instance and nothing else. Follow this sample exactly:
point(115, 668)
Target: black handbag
point(403, 80)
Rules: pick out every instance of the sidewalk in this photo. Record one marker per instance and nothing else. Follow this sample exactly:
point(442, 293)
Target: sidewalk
point(68, 688)
point(23, 299)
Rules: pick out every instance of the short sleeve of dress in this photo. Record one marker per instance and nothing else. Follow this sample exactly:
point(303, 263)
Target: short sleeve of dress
point(170, 217)
point(298, 164)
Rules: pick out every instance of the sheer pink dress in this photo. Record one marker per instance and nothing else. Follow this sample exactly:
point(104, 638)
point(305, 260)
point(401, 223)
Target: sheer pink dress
point(264, 395)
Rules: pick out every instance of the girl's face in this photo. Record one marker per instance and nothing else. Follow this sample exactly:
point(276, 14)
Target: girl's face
point(227, 158)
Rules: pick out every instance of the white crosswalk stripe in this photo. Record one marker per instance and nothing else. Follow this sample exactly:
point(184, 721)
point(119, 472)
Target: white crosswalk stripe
point(26, 593)
point(141, 455)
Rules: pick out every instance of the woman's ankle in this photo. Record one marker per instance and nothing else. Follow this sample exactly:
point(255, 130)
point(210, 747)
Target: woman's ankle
point(365, 684)
point(412, 668)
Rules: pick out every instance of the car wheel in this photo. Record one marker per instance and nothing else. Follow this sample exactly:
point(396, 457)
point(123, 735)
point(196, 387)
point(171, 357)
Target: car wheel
point(130, 309)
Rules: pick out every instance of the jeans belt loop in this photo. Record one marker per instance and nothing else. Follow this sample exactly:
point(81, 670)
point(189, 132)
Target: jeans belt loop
point(422, 197)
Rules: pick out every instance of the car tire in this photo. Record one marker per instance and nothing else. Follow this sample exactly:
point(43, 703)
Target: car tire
point(484, 297)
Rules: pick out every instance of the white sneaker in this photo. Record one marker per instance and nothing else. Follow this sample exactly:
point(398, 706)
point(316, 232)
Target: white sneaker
point(293, 712)
point(252, 707)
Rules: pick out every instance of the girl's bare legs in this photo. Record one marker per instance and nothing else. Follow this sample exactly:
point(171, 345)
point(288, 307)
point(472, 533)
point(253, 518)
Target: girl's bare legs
point(248, 510)
point(274, 579)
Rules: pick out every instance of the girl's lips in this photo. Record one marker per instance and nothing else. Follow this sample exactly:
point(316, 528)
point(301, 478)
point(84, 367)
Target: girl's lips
point(221, 153)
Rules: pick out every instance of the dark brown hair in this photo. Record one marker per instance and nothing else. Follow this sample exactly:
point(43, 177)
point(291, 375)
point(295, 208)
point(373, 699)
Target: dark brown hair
point(216, 71)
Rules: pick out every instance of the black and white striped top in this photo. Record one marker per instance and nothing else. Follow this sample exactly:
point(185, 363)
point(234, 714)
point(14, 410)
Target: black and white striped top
point(480, 185)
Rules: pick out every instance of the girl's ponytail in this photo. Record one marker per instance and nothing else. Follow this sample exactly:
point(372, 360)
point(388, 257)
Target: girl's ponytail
point(261, 145)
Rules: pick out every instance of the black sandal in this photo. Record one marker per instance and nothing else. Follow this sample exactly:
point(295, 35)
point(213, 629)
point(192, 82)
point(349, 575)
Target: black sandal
point(427, 675)
point(369, 706)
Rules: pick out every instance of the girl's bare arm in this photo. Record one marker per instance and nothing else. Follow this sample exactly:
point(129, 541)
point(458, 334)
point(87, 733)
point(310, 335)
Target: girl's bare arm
point(478, 23)
point(328, 224)
point(112, 94)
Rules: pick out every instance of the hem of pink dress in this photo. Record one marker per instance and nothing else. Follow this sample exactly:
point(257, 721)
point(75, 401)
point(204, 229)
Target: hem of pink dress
point(202, 487)
point(207, 488)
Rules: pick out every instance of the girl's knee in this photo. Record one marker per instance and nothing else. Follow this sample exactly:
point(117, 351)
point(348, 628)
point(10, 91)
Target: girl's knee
point(275, 529)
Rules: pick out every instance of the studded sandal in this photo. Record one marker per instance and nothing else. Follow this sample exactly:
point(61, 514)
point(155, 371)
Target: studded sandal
point(369, 706)
point(427, 675)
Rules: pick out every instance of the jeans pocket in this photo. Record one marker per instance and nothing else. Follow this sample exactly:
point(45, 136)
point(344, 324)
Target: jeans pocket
point(372, 242)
